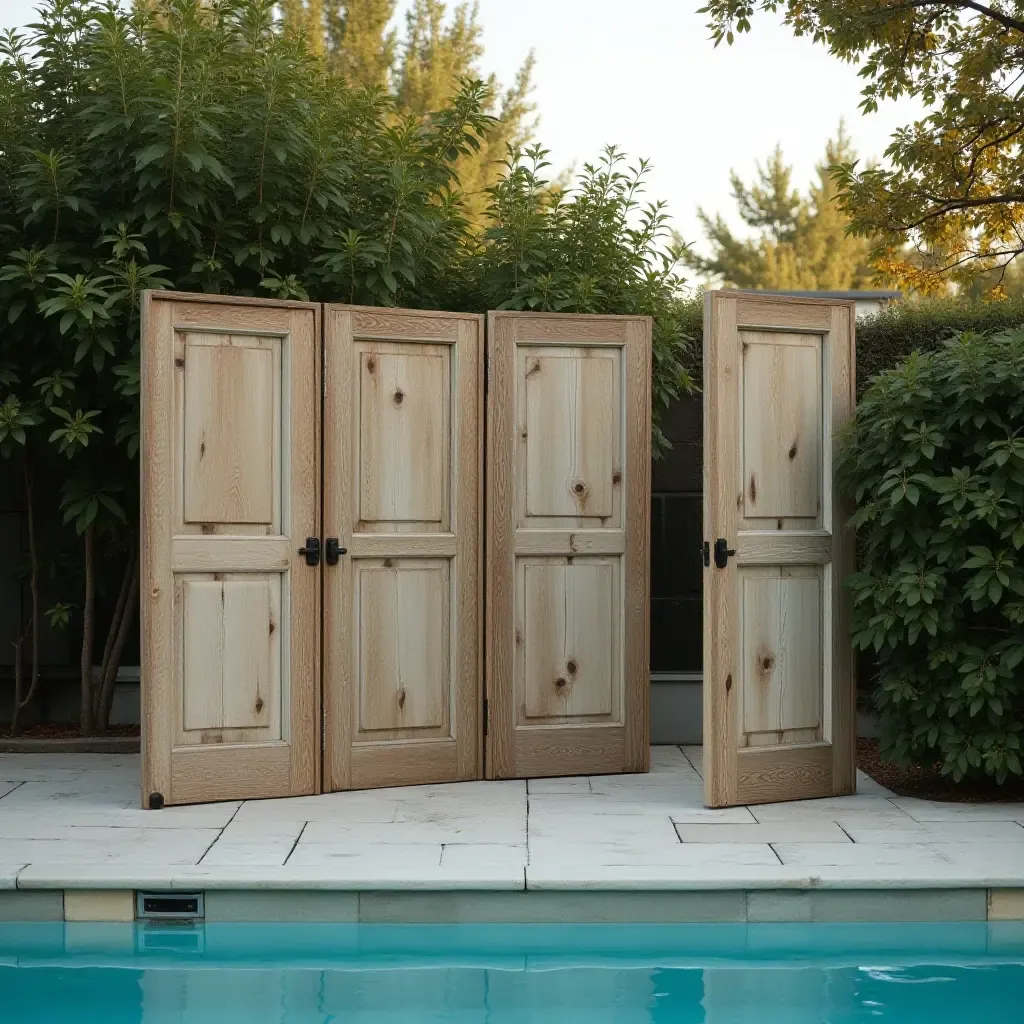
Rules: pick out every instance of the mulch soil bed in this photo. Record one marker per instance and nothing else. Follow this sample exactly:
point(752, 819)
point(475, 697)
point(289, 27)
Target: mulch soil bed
point(927, 783)
point(63, 731)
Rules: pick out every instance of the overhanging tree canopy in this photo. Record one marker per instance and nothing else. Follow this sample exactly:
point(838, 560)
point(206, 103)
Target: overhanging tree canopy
point(949, 203)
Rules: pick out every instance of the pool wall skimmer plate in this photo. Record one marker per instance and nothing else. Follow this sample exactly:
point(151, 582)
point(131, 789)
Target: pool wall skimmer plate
point(525, 907)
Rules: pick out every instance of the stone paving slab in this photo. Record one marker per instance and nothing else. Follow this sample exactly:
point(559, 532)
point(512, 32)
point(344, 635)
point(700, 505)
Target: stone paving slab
point(73, 821)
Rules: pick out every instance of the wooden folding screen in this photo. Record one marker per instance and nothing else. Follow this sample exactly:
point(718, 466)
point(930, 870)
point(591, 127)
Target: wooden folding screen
point(779, 712)
point(246, 403)
point(230, 492)
point(568, 507)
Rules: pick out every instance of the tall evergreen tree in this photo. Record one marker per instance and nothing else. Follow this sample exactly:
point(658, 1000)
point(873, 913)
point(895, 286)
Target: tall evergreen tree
point(359, 42)
point(305, 18)
point(796, 242)
point(423, 70)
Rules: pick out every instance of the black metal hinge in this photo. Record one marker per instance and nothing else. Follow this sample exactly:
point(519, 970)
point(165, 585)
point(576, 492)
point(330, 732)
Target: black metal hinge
point(487, 717)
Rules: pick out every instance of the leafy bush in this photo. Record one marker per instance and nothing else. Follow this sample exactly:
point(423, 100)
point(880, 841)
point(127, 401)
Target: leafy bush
point(935, 461)
point(594, 250)
point(198, 145)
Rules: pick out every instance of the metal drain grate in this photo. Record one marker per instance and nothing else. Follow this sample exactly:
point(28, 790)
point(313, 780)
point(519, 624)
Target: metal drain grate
point(169, 906)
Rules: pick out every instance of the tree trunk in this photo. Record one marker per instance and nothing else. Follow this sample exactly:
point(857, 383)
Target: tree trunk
point(18, 677)
point(114, 660)
point(22, 702)
point(88, 615)
point(115, 623)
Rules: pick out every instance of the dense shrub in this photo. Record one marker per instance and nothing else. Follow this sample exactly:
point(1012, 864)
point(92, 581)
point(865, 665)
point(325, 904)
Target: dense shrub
point(195, 144)
point(935, 462)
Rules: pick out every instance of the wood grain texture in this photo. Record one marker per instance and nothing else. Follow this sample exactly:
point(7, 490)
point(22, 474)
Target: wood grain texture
point(403, 652)
point(779, 720)
point(843, 378)
point(230, 673)
point(781, 389)
point(402, 622)
point(636, 618)
point(156, 612)
point(569, 456)
point(396, 545)
point(429, 761)
point(570, 542)
point(252, 772)
point(568, 627)
point(784, 548)
point(723, 493)
point(769, 775)
point(599, 750)
point(500, 557)
point(210, 554)
point(780, 616)
point(231, 677)
point(782, 312)
point(568, 446)
point(232, 430)
point(404, 436)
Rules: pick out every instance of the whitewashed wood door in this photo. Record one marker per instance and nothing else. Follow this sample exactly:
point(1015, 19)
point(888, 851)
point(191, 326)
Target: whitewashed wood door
point(230, 455)
point(779, 694)
point(568, 513)
point(403, 458)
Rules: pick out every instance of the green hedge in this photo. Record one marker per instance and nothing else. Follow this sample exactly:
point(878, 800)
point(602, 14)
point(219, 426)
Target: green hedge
point(885, 339)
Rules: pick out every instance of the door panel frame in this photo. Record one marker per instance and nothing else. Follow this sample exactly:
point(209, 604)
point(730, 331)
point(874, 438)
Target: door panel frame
point(582, 750)
point(359, 766)
point(291, 766)
point(799, 771)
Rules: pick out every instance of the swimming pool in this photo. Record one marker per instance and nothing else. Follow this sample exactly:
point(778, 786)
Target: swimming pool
point(511, 974)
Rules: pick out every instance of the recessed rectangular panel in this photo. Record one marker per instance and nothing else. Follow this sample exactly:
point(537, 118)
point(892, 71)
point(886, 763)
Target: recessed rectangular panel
point(783, 671)
point(230, 654)
point(403, 450)
point(567, 638)
point(570, 432)
point(231, 430)
point(403, 645)
point(781, 426)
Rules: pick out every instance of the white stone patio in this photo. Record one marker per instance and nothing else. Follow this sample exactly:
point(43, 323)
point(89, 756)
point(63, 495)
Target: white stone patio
point(73, 821)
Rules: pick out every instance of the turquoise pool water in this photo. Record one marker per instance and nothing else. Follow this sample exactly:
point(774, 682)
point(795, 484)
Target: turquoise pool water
point(512, 974)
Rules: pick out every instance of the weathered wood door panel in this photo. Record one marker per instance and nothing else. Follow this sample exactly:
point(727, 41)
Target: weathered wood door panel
point(779, 712)
point(230, 491)
point(568, 496)
point(403, 496)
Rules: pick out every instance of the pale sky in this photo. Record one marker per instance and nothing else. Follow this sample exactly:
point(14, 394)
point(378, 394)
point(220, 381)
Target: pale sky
point(644, 76)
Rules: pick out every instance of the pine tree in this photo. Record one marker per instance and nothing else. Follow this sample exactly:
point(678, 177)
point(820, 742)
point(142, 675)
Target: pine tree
point(797, 242)
point(359, 42)
point(305, 18)
point(423, 71)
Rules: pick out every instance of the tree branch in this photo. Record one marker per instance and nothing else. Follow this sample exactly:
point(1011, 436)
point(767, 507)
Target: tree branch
point(989, 12)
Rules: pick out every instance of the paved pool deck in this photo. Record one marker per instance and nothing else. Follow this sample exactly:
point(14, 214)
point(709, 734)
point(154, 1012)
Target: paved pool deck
point(73, 822)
